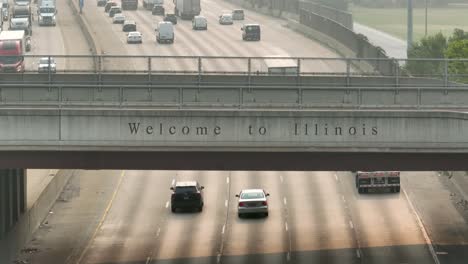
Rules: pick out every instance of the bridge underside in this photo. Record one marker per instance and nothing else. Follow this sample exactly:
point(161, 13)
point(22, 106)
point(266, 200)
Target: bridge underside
point(219, 160)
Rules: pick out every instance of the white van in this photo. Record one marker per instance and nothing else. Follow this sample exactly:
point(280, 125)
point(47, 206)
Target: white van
point(165, 32)
point(199, 22)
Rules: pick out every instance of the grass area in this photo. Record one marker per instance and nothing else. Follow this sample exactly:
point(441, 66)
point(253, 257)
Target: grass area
point(393, 20)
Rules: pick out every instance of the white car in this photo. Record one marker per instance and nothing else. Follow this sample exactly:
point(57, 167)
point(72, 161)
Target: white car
point(134, 37)
point(47, 64)
point(199, 22)
point(252, 201)
point(118, 18)
point(225, 19)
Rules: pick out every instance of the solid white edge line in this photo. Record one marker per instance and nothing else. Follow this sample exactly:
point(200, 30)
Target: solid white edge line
point(285, 201)
point(173, 181)
point(103, 218)
point(423, 229)
point(227, 180)
point(351, 224)
point(288, 256)
point(336, 176)
point(167, 204)
point(225, 203)
point(148, 259)
point(286, 226)
point(358, 253)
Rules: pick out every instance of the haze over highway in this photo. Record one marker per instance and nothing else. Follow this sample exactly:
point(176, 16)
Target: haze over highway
point(116, 217)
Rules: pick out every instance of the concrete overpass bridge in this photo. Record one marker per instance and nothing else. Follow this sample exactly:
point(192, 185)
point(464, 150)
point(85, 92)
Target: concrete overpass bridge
point(239, 117)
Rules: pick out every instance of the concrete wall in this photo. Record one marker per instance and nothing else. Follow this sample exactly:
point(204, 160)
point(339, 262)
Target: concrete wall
point(13, 198)
point(20, 233)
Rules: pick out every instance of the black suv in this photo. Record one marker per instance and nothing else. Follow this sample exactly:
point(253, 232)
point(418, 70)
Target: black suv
point(171, 18)
point(187, 195)
point(251, 32)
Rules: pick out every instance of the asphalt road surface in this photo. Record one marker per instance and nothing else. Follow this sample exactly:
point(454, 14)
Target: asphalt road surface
point(315, 217)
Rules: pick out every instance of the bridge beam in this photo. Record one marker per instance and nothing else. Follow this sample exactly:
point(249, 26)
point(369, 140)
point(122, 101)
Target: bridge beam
point(13, 198)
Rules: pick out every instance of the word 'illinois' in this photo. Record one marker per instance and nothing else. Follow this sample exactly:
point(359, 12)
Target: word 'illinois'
point(336, 130)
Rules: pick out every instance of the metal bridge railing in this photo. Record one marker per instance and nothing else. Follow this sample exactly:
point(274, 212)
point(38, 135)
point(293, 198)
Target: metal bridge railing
point(455, 70)
point(231, 96)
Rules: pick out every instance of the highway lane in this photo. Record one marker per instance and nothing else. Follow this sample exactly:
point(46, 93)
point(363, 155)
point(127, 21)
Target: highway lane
point(386, 227)
point(64, 39)
point(315, 217)
point(218, 40)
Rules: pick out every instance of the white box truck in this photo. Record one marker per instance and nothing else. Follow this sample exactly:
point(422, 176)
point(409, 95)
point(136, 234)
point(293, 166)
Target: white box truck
point(46, 13)
point(187, 9)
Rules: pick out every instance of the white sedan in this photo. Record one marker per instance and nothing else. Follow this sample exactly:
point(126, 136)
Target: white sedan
point(226, 19)
point(118, 18)
point(252, 201)
point(134, 37)
point(47, 64)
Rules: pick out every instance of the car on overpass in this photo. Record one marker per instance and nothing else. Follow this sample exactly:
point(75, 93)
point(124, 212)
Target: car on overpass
point(47, 64)
point(252, 201)
point(187, 195)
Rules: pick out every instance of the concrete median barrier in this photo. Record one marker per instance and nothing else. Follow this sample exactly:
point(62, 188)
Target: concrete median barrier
point(23, 231)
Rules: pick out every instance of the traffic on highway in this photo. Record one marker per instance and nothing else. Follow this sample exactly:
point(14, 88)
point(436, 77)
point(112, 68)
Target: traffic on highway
point(229, 217)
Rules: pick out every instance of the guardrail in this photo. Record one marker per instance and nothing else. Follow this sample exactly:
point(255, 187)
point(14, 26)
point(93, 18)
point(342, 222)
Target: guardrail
point(446, 70)
point(231, 96)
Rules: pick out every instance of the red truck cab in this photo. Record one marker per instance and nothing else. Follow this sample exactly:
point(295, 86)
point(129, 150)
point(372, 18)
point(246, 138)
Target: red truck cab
point(11, 56)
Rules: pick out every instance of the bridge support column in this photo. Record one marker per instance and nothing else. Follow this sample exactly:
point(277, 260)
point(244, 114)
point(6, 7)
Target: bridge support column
point(13, 198)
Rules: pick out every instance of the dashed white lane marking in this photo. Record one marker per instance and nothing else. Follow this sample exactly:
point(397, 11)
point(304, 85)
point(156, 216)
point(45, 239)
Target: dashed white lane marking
point(281, 178)
point(148, 259)
point(159, 231)
point(358, 253)
point(227, 180)
point(224, 229)
point(441, 253)
point(286, 226)
point(173, 181)
point(351, 224)
point(288, 256)
point(225, 203)
point(336, 176)
point(342, 197)
point(218, 258)
point(285, 201)
point(167, 204)
point(423, 230)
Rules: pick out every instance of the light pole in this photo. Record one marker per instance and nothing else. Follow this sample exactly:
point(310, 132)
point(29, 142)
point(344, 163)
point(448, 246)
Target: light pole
point(409, 34)
point(425, 28)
